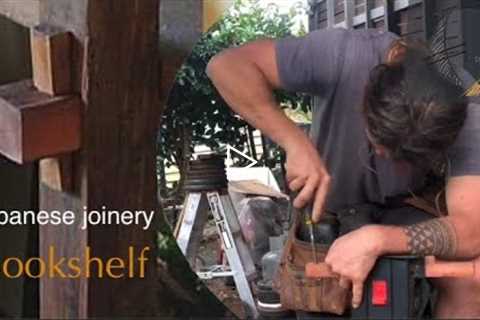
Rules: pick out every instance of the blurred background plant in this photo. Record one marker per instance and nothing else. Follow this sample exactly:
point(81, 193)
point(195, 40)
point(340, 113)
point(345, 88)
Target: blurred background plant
point(196, 115)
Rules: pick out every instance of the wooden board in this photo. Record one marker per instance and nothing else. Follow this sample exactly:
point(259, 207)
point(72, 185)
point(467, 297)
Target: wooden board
point(35, 125)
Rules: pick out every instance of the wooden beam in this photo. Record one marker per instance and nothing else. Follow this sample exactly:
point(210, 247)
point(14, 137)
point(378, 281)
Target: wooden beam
point(121, 124)
point(66, 298)
point(36, 125)
point(58, 173)
point(116, 71)
point(51, 60)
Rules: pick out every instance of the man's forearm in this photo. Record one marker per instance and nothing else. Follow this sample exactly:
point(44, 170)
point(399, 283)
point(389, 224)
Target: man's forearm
point(455, 236)
point(436, 237)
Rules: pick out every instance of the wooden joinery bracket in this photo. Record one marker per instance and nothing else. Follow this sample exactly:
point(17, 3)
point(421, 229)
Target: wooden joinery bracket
point(34, 125)
point(40, 119)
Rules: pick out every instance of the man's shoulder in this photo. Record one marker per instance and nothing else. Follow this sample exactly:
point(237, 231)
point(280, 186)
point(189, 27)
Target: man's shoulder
point(358, 40)
point(465, 153)
point(361, 34)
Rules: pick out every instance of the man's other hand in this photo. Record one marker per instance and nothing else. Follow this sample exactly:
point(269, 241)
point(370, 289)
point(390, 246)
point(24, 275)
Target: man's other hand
point(307, 175)
point(353, 256)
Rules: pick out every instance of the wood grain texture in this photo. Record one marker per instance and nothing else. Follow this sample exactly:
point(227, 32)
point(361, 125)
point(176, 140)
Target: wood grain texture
point(116, 71)
point(58, 173)
point(62, 298)
point(51, 60)
point(122, 119)
point(35, 125)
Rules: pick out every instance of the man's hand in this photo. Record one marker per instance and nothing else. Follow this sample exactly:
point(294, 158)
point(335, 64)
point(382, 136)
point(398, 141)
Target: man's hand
point(307, 175)
point(353, 256)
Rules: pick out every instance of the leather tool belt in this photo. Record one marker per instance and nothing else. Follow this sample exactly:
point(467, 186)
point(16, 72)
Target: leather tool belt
point(298, 292)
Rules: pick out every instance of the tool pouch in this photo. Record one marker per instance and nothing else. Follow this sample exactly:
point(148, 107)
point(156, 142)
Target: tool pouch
point(297, 292)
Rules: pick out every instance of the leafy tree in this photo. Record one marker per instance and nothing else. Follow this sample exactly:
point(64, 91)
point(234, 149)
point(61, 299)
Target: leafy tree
point(196, 114)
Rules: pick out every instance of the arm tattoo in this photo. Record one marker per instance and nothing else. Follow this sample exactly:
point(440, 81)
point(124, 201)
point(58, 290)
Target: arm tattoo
point(435, 237)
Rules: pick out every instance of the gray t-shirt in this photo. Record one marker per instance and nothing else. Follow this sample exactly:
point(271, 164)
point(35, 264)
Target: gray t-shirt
point(334, 65)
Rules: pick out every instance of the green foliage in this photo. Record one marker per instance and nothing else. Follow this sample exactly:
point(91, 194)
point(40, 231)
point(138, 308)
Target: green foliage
point(196, 114)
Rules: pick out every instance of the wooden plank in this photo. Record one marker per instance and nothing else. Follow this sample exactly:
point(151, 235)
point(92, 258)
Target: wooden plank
point(31, 122)
point(62, 298)
point(66, 298)
point(51, 60)
point(57, 173)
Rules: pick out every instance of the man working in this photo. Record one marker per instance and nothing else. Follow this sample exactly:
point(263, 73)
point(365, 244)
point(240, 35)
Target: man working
point(382, 117)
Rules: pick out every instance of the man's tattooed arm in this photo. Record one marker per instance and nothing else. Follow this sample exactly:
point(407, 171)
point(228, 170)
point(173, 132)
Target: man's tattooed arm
point(436, 237)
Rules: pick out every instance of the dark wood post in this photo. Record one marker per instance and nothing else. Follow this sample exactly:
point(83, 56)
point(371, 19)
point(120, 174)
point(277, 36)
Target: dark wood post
point(115, 73)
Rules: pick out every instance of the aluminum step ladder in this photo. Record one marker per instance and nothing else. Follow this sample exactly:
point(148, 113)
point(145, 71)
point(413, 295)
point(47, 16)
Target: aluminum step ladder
point(206, 192)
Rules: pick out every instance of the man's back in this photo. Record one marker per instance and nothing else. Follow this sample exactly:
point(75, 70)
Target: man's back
point(342, 61)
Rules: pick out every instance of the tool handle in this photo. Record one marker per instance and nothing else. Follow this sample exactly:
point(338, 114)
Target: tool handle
point(435, 268)
point(307, 212)
point(318, 270)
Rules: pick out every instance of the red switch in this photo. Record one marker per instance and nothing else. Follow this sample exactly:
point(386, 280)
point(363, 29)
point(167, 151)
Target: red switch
point(379, 293)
